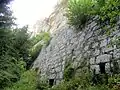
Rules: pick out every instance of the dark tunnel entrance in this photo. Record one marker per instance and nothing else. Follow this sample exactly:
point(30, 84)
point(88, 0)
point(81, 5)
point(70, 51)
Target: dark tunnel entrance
point(51, 82)
point(102, 68)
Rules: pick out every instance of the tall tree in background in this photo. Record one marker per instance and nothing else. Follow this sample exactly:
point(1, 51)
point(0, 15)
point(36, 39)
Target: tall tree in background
point(17, 50)
point(6, 18)
point(13, 46)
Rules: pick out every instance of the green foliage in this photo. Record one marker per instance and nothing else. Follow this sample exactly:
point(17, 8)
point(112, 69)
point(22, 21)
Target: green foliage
point(17, 51)
point(9, 71)
point(37, 43)
point(41, 37)
point(109, 11)
point(115, 67)
point(114, 79)
point(68, 72)
point(99, 87)
point(11, 60)
point(78, 12)
point(114, 82)
point(42, 83)
point(36, 50)
point(28, 81)
point(83, 82)
point(13, 55)
point(77, 83)
point(22, 43)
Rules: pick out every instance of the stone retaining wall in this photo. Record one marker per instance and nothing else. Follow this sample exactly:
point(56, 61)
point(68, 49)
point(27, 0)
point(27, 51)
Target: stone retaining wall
point(90, 43)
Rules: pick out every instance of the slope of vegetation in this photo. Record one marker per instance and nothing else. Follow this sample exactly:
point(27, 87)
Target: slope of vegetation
point(12, 60)
point(17, 51)
point(37, 42)
point(28, 81)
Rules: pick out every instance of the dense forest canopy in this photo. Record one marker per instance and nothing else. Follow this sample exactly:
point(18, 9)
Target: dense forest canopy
point(11, 47)
point(15, 47)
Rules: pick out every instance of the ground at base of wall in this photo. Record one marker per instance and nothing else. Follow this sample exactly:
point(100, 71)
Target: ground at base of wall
point(84, 83)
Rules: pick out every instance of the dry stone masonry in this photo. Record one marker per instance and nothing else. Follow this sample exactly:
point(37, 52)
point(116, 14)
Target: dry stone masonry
point(88, 44)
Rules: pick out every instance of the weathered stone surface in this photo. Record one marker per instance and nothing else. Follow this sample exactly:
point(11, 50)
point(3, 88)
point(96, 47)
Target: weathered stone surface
point(107, 67)
point(96, 68)
point(103, 43)
point(58, 69)
point(103, 58)
point(89, 35)
point(57, 82)
point(52, 70)
point(92, 60)
point(86, 46)
point(95, 45)
point(61, 75)
point(107, 49)
point(117, 55)
point(52, 76)
point(97, 52)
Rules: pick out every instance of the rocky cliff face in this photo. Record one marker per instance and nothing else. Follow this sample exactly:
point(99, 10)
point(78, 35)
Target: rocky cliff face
point(88, 45)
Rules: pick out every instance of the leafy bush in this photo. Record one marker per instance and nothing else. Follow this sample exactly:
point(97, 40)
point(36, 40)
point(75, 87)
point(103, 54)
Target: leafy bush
point(35, 51)
point(114, 82)
point(78, 12)
point(14, 49)
point(110, 10)
point(42, 83)
point(43, 36)
point(37, 43)
point(28, 81)
point(68, 71)
point(12, 55)
point(82, 82)
point(99, 87)
point(10, 71)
